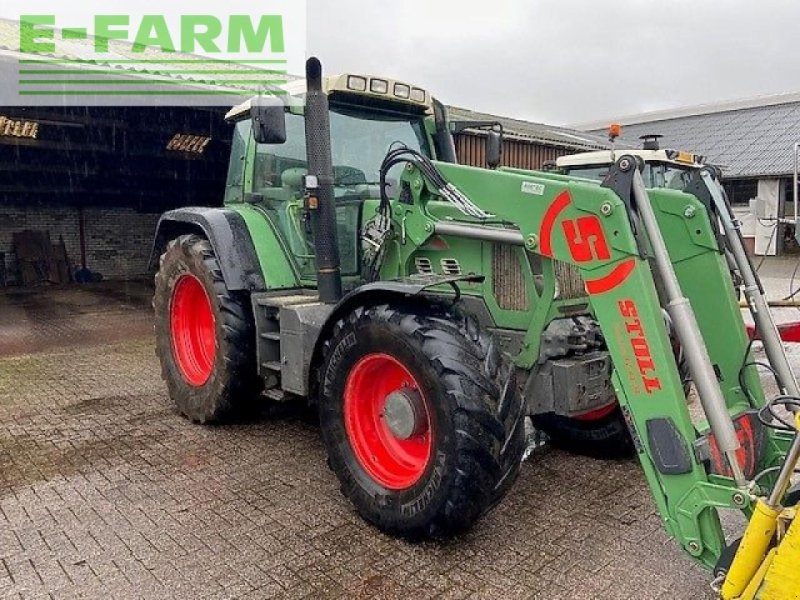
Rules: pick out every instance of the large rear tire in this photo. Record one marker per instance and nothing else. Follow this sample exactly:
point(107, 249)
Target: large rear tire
point(205, 335)
point(421, 417)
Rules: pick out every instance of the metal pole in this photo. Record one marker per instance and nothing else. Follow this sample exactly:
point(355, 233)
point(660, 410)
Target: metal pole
point(82, 235)
point(488, 234)
point(679, 309)
point(794, 190)
point(784, 479)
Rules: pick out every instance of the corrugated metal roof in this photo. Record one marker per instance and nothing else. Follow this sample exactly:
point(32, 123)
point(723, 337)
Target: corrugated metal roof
point(537, 132)
point(746, 141)
point(698, 109)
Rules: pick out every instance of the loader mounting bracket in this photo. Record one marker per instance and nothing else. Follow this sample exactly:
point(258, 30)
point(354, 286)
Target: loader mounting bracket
point(699, 190)
point(620, 181)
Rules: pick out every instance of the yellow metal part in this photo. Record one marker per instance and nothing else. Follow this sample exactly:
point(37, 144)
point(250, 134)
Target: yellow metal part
point(751, 592)
point(776, 576)
point(752, 551)
point(782, 579)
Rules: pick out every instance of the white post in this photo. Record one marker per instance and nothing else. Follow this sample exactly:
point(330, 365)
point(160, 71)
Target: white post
point(766, 210)
point(794, 181)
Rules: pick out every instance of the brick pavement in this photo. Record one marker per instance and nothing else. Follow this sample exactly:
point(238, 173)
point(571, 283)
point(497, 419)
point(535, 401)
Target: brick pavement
point(105, 492)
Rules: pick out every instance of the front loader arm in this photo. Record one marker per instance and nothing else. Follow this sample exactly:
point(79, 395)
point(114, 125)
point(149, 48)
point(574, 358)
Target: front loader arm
point(595, 229)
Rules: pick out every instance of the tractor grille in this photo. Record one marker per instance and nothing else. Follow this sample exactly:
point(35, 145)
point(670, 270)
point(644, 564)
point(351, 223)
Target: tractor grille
point(570, 284)
point(508, 279)
point(424, 266)
point(450, 266)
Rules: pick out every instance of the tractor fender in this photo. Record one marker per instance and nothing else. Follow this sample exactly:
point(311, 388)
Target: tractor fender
point(229, 237)
point(370, 294)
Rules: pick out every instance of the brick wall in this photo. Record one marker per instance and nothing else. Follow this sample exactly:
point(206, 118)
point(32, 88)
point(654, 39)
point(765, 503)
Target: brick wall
point(118, 240)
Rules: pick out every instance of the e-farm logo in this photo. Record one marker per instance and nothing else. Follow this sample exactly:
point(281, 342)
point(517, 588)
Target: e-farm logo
point(108, 57)
point(205, 33)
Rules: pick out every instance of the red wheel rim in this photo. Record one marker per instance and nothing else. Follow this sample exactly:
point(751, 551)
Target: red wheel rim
point(193, 333)
point(596, 415)
point(394, 463)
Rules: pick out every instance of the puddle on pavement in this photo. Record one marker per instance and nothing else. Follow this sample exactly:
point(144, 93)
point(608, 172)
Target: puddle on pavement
point(25, 460)
point(62, 452)
point(92, 405)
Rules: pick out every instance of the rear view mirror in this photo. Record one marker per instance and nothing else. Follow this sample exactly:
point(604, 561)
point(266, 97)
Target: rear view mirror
point(494, 138)
point(269, 121)
point(494, 148)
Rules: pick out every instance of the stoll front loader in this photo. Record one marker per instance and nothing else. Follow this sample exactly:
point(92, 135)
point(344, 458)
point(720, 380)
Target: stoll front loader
point(427, 308)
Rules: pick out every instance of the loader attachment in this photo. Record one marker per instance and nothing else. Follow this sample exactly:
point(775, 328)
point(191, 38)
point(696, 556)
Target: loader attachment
point(640, 252)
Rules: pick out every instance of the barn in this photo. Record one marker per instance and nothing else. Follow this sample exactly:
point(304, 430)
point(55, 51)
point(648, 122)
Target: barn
point(82, 187)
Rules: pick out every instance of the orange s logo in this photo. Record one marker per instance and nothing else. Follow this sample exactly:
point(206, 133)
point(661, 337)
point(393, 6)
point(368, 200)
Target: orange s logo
point(586, 239)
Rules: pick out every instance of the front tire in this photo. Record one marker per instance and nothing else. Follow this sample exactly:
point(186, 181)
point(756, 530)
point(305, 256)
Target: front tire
point(603, 436)
point(205, 335)
point(604, 433)
point(421, 417)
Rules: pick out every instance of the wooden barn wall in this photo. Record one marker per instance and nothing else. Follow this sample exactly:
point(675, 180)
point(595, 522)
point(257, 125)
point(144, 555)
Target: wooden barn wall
point(471, 150)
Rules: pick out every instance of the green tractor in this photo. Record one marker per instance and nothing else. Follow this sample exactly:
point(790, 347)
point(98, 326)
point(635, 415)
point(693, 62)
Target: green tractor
point(427, 308)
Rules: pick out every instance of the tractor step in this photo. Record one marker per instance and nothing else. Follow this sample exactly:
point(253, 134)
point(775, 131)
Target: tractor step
point(273, 300)
point(287, 325)
point(276, 395)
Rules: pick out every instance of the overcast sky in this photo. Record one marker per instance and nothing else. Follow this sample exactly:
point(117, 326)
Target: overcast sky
point(566, 61)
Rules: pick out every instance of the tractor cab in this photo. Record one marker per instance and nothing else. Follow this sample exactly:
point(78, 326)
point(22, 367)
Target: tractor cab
point(368, 117)
point(663, 168)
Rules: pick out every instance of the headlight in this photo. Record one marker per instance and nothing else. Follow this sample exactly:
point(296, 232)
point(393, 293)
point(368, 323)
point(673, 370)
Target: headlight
point(357, 84)
point(418, 95)
point(379, 86)
point(401, 90)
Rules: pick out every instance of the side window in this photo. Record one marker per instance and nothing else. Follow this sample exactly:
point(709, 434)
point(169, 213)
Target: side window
point(282, 165)
point(277, 175)
point(234, 188)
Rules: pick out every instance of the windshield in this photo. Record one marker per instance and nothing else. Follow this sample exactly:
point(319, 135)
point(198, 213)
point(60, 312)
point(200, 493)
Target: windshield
point(655, 175)
point(359, 143)
point(666, 175)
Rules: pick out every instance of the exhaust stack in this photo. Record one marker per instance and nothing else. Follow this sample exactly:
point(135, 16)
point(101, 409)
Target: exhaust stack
point(319, 186)
point(650, 141)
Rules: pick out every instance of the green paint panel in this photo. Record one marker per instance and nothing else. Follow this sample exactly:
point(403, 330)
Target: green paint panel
point(279, 272)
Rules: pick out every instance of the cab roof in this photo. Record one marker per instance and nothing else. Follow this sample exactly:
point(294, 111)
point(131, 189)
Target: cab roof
point(603, 157)
point(349, 83)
